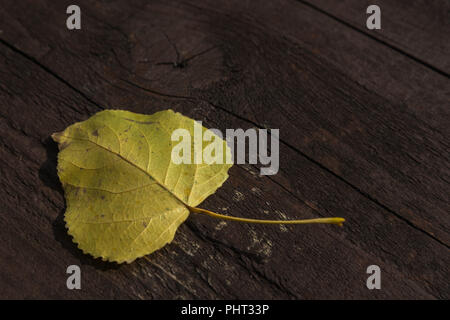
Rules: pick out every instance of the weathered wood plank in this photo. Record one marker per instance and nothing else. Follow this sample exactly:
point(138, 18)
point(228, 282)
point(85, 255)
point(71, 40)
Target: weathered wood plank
point(245, 74)
point(398, 156)
point(265, 263)
point(418, 28)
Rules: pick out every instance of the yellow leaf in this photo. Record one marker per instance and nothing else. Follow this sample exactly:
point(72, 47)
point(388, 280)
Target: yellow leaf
point(125, 197)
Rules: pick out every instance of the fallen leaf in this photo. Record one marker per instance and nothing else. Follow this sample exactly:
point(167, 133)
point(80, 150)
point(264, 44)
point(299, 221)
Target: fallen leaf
point(125, 198)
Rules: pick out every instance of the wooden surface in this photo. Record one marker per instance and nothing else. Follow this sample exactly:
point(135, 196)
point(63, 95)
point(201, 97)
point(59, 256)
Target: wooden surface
point(364, 126)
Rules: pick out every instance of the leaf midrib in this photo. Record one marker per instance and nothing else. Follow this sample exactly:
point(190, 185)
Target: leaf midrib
point(131, 163)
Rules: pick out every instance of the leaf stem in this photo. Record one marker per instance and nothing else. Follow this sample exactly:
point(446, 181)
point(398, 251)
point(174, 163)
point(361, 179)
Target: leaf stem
point(334, 220)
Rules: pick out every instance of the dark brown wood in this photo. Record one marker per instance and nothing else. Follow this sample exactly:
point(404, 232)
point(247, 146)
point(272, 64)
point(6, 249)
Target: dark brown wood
point(364, 132)
point(418, 29)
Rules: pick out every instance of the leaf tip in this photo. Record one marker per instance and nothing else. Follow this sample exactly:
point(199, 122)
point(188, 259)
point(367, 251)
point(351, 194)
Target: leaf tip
point(56, 136)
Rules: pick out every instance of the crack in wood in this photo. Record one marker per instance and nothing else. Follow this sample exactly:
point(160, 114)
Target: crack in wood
point(385, 43)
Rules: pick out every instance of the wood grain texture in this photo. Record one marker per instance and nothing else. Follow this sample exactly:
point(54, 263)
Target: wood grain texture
point(418, 29)
point(364, 133)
